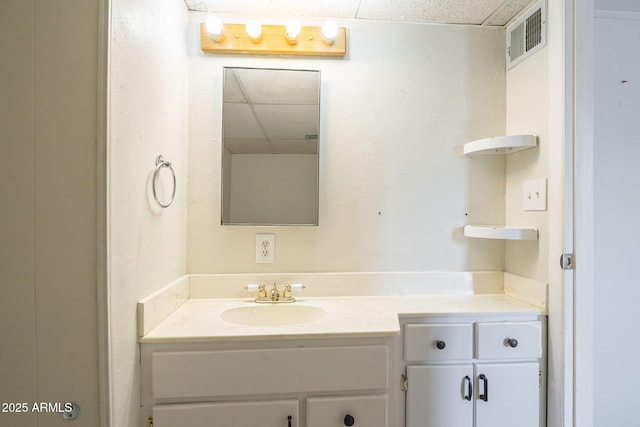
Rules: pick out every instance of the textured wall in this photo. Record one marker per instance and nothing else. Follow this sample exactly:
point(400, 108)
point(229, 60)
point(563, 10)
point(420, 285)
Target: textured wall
point(528, 113)
point(148, 110)
point(394, 187)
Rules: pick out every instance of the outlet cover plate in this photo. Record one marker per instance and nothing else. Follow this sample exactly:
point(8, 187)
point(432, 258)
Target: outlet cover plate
point(265, 248)
point(534, 197)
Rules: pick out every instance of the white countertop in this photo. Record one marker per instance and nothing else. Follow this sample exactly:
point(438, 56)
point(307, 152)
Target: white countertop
point(199, 320)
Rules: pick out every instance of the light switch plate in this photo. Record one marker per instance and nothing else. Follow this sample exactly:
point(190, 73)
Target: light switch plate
point(534, 197)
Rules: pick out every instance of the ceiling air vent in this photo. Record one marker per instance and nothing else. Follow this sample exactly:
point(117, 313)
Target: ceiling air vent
point(527, 34)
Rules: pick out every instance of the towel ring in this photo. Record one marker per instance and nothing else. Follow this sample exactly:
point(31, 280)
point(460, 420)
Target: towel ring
point(162, 163)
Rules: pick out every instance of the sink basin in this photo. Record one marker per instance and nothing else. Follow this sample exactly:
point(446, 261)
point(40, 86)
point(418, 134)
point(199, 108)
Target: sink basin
point(273, 314)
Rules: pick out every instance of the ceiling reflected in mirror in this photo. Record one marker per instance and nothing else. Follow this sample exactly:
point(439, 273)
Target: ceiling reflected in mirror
point(270, 111)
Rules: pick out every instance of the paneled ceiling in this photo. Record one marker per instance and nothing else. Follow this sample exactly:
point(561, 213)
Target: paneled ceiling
point(470, 12)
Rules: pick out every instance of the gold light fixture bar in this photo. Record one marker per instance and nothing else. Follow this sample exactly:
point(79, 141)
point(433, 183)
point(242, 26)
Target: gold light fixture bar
point(273, 41)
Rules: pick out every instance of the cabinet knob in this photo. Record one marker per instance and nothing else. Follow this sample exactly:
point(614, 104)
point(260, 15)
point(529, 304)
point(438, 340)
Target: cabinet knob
point(349, 420)
point(441, 344)
point(512, 342)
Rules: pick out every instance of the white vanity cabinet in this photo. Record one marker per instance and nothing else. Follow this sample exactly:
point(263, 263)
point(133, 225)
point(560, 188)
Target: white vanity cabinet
point(312, 383)
point(477, 373)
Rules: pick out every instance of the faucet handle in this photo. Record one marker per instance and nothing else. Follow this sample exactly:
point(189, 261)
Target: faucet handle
point(252, 287)
point(288, 294)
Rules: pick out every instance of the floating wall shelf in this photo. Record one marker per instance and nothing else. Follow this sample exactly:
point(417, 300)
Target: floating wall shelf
point(501, 232)
point(501, 144)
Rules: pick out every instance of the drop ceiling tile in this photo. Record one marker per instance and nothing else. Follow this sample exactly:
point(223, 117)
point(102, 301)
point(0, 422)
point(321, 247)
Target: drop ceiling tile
point(239, 122)
point(232, 91)
point(297, 146)
point(196, 5)
point(288, 121)
point(445, 11)
point(249, 146)
point(325, 8)
point(507, 12)
point(279, 86)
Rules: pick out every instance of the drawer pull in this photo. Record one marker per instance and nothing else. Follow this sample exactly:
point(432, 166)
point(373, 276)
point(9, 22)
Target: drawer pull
point(441, 345)
point(469, 393)
point(484, 396)
point(349, 420)
point(512, 342)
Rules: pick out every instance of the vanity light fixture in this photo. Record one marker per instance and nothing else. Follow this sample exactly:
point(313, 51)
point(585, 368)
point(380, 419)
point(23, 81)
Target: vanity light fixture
point(292, 30)
point(329, 32)
point(254, 30)
point(215, 28)
point(254, 38)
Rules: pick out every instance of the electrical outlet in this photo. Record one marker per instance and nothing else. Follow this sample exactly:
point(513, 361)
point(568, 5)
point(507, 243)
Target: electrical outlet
point(535, 195)
point(265, 248)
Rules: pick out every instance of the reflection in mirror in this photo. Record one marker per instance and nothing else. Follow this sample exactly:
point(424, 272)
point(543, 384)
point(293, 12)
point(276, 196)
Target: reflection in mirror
point(270, 123)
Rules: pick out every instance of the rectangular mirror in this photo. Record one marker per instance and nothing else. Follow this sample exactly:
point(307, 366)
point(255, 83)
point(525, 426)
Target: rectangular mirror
point(270, 125)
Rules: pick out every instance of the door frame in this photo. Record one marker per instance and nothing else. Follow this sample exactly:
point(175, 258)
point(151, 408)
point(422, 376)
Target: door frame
point(580, 305)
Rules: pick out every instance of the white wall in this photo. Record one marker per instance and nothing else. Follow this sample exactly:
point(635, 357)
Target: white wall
point(147, 116)
point(394, 187)
point(527, 113)
point(48, 208)
point(616, 228)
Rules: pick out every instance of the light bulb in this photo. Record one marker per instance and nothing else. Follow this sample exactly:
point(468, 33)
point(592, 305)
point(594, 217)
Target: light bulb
point(329, 32)
point(293, 30)
point(214, 27)
point(254, 30)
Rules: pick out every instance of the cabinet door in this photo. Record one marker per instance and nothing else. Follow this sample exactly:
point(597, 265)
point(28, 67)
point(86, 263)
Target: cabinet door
point(508, 395)
point(439, 396)
point(228, 414)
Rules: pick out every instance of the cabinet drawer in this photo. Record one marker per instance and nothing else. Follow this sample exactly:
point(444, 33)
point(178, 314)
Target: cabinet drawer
point(509, 340)
point(228, 414)
point(368, 411)
point(438, 342)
